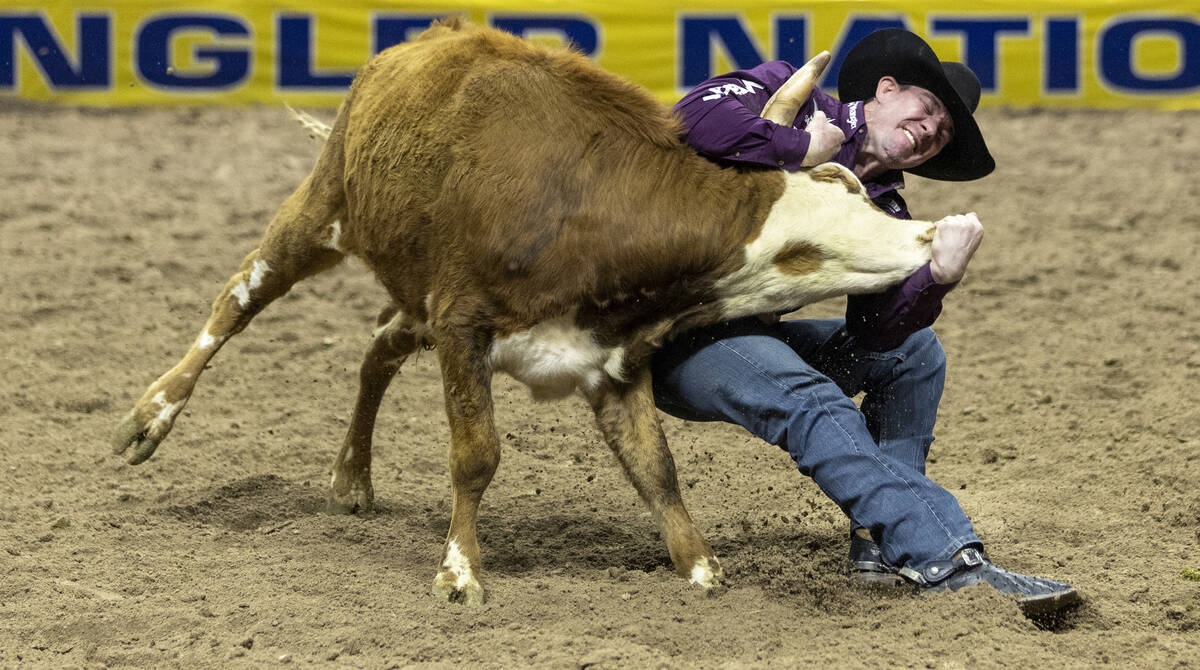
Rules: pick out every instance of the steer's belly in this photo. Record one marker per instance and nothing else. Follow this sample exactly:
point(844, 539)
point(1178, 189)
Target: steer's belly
point(554, 358)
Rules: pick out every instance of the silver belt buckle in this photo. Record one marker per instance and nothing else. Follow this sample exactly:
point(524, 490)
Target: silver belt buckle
point(972, 556)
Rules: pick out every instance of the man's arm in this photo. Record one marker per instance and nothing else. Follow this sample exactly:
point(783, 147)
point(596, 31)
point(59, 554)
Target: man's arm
point(721, 120)
point(882, 321)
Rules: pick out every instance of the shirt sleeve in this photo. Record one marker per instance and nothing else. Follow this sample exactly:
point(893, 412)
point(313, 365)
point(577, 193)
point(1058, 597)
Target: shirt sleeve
point(882, 321)
point(720, 119)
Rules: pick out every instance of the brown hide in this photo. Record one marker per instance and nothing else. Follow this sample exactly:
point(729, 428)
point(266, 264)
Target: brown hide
point(452, 188)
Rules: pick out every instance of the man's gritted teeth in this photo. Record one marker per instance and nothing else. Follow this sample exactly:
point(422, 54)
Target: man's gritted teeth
point(912, 140)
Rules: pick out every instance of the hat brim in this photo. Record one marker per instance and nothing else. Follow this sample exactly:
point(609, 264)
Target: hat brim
point(907, 58)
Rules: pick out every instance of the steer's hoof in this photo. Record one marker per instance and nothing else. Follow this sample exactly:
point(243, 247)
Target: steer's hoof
point(357, 501)
point(140, 435)
point(335, 506)
point(458, 588)
point(707, 574)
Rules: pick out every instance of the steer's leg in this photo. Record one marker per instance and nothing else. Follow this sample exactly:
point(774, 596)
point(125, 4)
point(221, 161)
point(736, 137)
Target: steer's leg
point(297, 244)
point(474, 455)
point(350, 484)
point(629, 421)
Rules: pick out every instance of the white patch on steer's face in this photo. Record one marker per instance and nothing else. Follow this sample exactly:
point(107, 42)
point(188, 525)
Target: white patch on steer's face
point(243, 289)
point(335, 236)
point(861, 249)
point(555, 357)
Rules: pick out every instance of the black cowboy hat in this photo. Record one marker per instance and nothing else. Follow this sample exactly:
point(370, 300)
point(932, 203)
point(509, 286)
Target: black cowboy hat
point(907, 58)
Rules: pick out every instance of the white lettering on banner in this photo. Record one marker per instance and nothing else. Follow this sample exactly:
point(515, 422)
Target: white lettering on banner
point(726, 89)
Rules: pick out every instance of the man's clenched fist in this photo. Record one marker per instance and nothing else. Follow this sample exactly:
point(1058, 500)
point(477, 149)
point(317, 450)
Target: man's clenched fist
point(824, 140)
point(955, 241)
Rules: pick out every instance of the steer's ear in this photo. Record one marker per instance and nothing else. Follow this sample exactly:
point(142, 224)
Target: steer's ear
point(787, 100)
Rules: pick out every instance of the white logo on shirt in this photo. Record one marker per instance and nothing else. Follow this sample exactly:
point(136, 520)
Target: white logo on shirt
point(726, 89)
point(853, 115)
point(809, 117)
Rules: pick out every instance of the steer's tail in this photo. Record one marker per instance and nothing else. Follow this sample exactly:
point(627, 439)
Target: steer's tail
point(315, 127)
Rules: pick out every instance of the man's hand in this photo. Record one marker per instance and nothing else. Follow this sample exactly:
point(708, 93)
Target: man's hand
point(954, 242)
point(824, 140)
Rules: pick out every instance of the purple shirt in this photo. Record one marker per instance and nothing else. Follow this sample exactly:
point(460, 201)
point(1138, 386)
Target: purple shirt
point(721, 122)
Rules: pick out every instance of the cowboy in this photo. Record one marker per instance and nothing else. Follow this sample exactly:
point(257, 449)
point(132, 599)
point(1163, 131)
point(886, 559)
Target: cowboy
point(791, 383)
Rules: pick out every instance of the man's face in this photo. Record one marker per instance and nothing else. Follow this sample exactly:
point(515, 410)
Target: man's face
point(909, 125)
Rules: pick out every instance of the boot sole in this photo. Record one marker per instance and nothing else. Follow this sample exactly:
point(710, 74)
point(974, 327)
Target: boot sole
point(1050, 605)
point(875, 578)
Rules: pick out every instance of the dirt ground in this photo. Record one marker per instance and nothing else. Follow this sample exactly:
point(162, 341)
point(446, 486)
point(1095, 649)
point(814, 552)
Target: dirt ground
point(1068, 432)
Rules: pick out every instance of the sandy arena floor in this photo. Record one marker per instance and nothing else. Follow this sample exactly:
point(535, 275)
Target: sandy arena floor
point(1069, 432)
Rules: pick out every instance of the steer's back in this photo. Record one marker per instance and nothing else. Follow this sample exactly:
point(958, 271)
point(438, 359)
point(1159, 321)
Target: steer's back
point(551, 180)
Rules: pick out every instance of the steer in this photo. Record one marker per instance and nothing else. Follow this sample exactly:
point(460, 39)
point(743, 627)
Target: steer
point(530, 213)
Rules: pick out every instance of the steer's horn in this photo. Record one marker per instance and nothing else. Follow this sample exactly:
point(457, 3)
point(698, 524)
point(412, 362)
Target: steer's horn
point(785, 104)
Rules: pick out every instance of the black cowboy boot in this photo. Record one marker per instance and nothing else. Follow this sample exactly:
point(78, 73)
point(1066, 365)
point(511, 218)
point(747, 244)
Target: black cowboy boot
point(1038, 598)
point(866, 564)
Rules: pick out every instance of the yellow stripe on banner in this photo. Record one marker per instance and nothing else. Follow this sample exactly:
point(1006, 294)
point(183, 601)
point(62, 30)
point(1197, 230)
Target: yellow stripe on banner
point(1037, 53)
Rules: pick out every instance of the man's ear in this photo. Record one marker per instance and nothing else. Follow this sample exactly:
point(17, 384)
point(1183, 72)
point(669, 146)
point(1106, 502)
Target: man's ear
point(886, 86)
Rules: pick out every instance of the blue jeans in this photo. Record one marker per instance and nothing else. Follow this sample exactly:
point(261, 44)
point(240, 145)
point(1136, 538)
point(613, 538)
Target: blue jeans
point(791, 384)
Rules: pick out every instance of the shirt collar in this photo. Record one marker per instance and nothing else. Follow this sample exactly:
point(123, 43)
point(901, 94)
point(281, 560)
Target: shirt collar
point(853, 121)
point(852, 118)
point(888, 181)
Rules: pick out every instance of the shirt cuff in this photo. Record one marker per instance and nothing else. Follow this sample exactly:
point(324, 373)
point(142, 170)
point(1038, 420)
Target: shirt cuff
point(791, 146)
point(922, 280)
